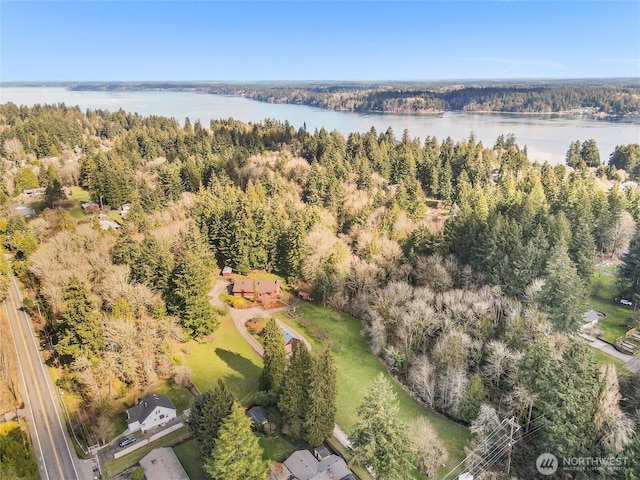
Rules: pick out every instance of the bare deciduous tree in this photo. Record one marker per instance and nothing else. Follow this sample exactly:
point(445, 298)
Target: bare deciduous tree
point(428, 447)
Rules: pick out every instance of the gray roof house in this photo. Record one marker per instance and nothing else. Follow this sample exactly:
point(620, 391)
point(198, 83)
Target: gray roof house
point(258, 416)
point(304, 466)
point(153, 410)
point(162, 464)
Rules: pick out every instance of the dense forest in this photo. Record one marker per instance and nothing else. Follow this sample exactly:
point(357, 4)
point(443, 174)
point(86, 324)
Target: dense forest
point(616, 98)
point(467, 264)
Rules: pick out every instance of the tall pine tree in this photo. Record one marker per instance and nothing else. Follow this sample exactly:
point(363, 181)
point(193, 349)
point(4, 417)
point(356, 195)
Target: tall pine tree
point(379, 439)
point(294, 397)
point(236, 454)
point(187, 294)
point(207, 413)
point(274, 358)
point(320, 414)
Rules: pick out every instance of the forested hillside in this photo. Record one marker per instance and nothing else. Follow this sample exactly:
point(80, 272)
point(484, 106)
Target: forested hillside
point(613, 98)
point(467, 265)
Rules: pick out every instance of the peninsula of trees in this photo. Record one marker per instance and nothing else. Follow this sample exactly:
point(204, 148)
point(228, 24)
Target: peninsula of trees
point(605, 97)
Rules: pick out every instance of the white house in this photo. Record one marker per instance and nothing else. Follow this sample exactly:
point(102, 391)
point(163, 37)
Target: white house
point(153, 410)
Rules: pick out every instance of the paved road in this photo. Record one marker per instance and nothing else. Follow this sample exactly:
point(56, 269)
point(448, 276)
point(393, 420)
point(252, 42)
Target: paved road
point(54, 454)
point(631, 363)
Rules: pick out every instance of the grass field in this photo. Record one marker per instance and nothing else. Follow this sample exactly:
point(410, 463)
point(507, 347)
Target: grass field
point(80, 195)
point(226, 356)
point(357, 368)
point(279, 448)
point(189, 455)
point(604, 292)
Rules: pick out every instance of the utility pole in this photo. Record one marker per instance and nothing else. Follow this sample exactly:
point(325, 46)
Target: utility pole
point(512, 425)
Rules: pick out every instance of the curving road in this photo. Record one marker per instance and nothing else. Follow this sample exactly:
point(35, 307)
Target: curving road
point(54, 454)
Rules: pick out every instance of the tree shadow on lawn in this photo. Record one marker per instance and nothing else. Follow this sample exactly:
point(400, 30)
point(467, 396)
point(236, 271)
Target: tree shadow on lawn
point(247, 370)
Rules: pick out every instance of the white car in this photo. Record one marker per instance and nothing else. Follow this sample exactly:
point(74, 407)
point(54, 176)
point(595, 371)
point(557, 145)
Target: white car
point(626, 302)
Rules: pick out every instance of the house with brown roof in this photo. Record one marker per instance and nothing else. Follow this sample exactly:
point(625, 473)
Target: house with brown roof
point(257, 290)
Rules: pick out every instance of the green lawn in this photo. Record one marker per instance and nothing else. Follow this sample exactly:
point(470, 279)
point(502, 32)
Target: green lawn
point(189, 455)
point(604, 291)
point(80, 195)
point(601, 357)
point(357, 368)
point(229, 357)
point(279, 448)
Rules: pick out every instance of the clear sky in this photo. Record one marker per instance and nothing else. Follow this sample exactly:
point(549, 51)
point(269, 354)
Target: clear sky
point(245, 41)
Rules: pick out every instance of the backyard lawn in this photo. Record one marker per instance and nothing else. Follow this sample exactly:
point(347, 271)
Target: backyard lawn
point(604, 293)
point(227, 356)
point(191, 459)
point(357, 368)
point(80, 195)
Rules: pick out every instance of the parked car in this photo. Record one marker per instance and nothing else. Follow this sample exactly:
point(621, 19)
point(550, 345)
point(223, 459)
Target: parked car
point(626, 302)
point(127, 441)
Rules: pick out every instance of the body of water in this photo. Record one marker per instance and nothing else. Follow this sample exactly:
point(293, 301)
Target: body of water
point(547, 137)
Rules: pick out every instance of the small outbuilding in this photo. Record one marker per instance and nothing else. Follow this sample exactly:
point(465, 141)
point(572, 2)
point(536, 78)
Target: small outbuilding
point(259, 416)
point(226, 271)
point(90, 207)
point(303, 295)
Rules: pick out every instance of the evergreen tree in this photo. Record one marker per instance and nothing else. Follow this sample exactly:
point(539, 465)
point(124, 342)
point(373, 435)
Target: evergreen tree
point(53, 188)
point(582, 250)
point(379, 439)
point(574, 156)
point(188, 290)
point(322, 394)
point(294, 398)
point(236, 454)
point(568, 404)
point(153, 264)
point(274, 358)
point(629, 272)
point(207, 414)
point(473, 398)
point(79, 329)
point(564, 292)
point(590, 153)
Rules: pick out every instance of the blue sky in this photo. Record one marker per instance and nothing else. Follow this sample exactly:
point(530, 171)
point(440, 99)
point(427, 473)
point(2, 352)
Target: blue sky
point(245, 41)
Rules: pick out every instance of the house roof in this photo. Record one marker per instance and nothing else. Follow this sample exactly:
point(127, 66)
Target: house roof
point(335, 466)
point(243, 285)
point(258, 415)
point(302, 465)
point(257, 286)
point(267, 286)
point(162, 464)
point(147, 405)
point(287, 334)
point(321, 451)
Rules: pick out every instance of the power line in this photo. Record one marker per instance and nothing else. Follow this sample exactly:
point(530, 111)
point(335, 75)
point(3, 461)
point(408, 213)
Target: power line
point(489, 451)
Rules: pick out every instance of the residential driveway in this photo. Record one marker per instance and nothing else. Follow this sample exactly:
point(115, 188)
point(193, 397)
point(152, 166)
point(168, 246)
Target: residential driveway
point(241, 315)
point(631, 363)
point(107, 450)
